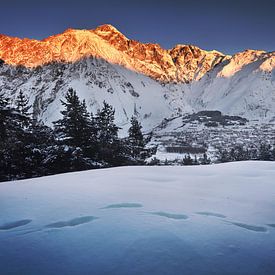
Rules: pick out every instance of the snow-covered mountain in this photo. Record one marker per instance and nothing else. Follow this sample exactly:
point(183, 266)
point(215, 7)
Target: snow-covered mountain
point(141, 79)
point(95, 80)
point(243, 85)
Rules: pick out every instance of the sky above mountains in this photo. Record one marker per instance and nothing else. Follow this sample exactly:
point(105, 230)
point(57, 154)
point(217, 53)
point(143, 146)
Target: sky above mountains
point(227, 26)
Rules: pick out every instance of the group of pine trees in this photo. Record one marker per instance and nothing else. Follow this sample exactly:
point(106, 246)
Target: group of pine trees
point(78, 141)
point(239, 153)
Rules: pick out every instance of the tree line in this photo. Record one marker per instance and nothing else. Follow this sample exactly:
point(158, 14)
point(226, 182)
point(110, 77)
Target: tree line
point(263, 151)
point(79, 140)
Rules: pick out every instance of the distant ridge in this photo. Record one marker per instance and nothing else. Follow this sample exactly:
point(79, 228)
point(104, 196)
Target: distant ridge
point(183, 63)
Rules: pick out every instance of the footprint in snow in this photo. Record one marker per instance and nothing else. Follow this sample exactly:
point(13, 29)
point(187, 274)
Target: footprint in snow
point(211, 214)
point(73, 222)
point(170, 215)
point(123, 205)
point(15, 224)
point(250, 227)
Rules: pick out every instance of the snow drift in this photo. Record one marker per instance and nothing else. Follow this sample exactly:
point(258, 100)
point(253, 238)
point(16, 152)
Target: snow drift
point(215, 219)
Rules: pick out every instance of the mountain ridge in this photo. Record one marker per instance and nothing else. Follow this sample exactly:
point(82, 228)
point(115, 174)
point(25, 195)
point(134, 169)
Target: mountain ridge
point(137, 79)
point(179, 64)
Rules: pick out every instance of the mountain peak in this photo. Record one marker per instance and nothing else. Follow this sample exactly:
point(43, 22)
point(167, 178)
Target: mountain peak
point(112, 36)
point(107, 28)
point(183, 63)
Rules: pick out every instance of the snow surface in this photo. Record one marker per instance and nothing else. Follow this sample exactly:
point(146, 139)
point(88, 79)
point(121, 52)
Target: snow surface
point(216, 219)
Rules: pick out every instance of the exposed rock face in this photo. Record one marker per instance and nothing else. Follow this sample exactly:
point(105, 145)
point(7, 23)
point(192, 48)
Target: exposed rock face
point(183, 63)
point(193, 63)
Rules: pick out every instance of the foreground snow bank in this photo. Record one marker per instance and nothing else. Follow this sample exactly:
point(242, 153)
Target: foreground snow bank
point(217, 219)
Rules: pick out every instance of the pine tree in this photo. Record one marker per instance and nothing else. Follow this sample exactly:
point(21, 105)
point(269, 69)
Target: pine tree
point(205, 160)
point(40, 139)
point(14, 142)
point(74, 127)
point(91, 149)
point(4, 113)
point(195, 162)
point(109, 146)
point(223, 156)
point(62, 158)
point(22, 104)
point(107, 130)
point(76, 137)
point(187, 160)
point(265, 152)
point(136, 139)
point(22, 107)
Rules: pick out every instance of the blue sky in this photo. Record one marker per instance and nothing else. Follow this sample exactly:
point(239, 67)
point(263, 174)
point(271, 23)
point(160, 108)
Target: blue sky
point(228, 26)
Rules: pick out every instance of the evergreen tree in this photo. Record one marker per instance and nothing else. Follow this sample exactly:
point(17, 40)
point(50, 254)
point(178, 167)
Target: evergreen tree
point(5, 111)
point(187, 160)
point(224, 156)
point(22, 104)
point(76, 137)
point(22, 107)
point(205, 160)
point(154, 161)
point(74, 127)
point(62, 158)
point(195, 162)
point(107, 130)
point(265, 152)
point(91, 148)
point(232, 154)
point(41, 138)
point(252, 153)
point(136, 139)
point(14, 142)
point(109, 146)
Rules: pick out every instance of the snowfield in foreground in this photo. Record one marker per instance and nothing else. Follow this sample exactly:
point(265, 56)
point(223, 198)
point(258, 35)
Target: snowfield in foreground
point(217, 219)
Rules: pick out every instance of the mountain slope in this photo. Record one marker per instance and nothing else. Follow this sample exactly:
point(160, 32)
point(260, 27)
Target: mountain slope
point(243, 85)
point(95, 80)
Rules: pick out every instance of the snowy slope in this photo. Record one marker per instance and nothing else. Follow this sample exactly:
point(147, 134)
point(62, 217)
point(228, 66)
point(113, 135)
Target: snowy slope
point(215, 219)
point(243, 85)
point(95, 80)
